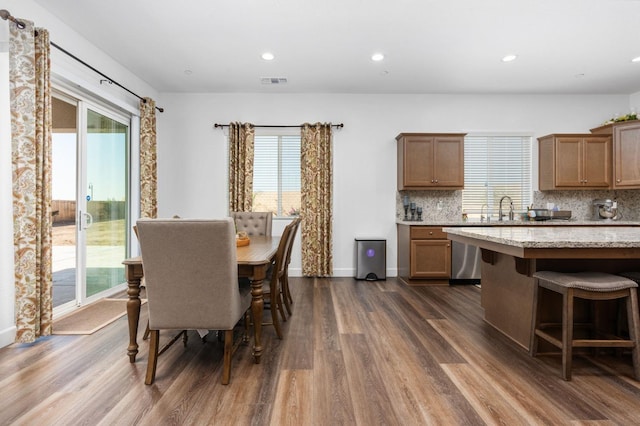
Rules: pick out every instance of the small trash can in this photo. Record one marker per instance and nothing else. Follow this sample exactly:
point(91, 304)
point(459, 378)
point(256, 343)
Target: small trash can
point(371, 259)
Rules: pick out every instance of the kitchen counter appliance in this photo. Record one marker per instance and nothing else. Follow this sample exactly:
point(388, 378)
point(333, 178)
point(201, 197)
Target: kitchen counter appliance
point(546, 214)
point(605, 209)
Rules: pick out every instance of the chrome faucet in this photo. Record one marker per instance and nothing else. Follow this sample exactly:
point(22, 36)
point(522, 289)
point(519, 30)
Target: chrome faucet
point(482, 210)
point(500, 215)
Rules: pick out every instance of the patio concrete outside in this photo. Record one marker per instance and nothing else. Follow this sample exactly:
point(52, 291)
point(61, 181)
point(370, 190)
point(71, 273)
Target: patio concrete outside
point(104, 265)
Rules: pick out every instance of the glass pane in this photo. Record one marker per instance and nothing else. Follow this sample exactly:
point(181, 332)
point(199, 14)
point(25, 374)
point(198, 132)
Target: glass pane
point(276, 175)
point(290, 182)
point(496, 166)
point(106, 194)
point(63, 182)
point(265, 174)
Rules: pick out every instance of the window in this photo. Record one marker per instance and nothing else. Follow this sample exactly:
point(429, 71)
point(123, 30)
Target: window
point(495, 166)
point(276, 174)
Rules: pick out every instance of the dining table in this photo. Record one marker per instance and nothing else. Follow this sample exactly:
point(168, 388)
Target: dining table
point(253, 262)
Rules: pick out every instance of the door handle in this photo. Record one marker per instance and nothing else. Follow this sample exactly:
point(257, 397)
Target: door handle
point(86, 220)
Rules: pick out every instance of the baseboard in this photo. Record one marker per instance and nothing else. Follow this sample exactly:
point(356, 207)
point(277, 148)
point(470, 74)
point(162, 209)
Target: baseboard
point(341, 272)
point(7, 336)
point(424, 282)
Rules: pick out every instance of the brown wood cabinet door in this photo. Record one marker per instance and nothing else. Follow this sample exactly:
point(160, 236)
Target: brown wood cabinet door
point(597, 162)
point(418, 161)
point(627, 156)
point(430, 161)
point(568, 167)
point(583, 161)
point(430, 259)
point(449, 162)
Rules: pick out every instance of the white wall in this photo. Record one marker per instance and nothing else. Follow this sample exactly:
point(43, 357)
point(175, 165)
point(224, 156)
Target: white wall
point(634, 102)
point(192, 158)
point(66, 69)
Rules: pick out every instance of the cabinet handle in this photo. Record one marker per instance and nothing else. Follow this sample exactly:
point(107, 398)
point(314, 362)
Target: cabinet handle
point(618, 180)
point(430, 232)
point(436, 180)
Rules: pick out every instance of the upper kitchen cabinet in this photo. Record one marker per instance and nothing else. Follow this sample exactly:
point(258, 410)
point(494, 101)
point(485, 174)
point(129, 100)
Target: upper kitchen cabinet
point(626, 152)
point(430, 160)
point(574, 161)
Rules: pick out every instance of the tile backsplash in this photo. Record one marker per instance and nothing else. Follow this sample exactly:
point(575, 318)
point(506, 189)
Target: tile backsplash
point(447, 205)
point(580, 202)
point(436, 205)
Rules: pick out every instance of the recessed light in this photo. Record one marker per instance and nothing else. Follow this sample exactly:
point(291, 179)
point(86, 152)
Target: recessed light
point(509, 58)
point(268, 56)
point(377, 57)
point(636, 59)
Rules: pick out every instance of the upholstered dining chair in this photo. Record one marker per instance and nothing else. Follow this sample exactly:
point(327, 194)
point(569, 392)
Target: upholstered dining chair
point(253, 223)
point(286, 294)
point(192, 270)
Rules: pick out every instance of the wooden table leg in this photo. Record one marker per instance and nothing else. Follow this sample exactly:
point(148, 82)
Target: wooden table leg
point(257, 308)
point(133, 273)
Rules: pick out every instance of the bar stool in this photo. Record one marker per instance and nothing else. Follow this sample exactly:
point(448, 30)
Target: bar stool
point(584, 285)
point(632, 275)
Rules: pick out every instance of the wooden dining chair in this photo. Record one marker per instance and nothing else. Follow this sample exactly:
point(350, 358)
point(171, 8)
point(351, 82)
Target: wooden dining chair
point(286, 294)
point(191, 268)
point(272, 287)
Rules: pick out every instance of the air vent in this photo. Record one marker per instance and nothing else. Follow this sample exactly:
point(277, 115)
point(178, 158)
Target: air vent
point(274, 80)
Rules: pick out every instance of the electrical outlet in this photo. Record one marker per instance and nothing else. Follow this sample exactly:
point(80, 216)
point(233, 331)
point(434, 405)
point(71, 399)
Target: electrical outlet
point(439, 205)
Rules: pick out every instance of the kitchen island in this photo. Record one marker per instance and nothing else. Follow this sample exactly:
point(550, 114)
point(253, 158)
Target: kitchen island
point(510, 255)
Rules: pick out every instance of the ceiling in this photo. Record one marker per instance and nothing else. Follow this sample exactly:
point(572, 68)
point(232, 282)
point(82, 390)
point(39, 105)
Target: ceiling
point(430, 46)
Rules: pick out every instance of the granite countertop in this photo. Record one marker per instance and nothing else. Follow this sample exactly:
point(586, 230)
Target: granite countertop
point(496, 223)
point(545, 237)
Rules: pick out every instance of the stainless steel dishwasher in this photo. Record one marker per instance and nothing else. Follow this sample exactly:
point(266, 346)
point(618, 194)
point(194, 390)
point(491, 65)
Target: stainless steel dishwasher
point(465, 263)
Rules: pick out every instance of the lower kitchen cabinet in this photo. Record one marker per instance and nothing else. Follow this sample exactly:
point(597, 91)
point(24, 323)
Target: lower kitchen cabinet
point(424, 255)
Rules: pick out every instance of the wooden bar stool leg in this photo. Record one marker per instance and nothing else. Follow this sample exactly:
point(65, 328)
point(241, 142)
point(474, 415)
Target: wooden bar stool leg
point(567, 333)
point(634, 329)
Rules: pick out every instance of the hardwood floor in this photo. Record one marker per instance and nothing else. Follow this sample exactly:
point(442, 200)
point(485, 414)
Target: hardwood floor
point(353, 353)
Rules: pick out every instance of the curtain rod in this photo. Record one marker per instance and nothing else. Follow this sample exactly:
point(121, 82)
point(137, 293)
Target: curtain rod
point(109, 79)
point(337, 126)
point(4, 14)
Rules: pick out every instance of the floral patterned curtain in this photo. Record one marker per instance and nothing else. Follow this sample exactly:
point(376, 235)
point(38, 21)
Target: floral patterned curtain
point(241, 140)
point(148, 159)
point(30, 89)
point(316, 177)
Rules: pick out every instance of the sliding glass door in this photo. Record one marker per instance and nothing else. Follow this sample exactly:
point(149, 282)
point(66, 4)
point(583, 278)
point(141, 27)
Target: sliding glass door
point(90, 200)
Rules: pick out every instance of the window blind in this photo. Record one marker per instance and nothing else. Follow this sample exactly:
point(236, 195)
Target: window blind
point(276, 174)
point(495, 166)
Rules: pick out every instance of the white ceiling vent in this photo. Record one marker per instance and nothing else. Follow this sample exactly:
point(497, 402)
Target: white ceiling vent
point(274, 80)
